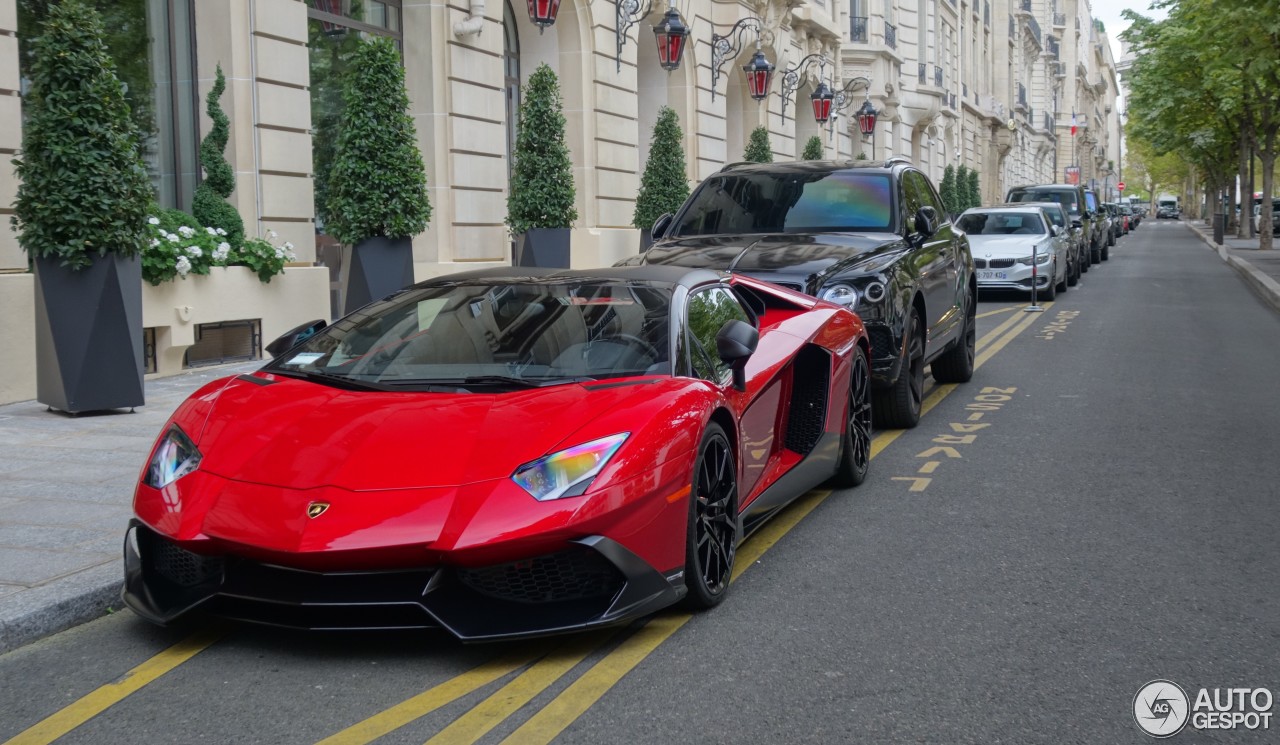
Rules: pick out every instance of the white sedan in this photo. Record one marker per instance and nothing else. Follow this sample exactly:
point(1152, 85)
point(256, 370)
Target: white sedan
point(1013, 245)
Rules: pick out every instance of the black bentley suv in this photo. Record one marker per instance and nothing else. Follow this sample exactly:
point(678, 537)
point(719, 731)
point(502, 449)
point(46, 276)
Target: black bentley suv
point(872, 237)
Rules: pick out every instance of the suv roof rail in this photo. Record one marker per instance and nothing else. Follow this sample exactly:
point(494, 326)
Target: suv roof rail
point(740, 163)
point(893, 160)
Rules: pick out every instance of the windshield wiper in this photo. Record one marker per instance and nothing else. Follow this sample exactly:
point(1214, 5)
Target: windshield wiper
point(337, 381)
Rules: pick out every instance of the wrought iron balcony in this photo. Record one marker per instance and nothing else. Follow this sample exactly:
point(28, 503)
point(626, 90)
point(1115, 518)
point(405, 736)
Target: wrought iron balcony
point(1026, 6)
point(924, 73)
point(858, 29)
point(1060, 19)
point(1034, 27)
point(1059, 69)
point(1049, 121)
point(1052, 45)
point(937, 76)
point(890, 35)
point(951, 100)
point(1022, 95)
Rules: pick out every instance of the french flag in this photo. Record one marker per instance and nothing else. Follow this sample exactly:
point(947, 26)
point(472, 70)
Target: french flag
point(1073, 123)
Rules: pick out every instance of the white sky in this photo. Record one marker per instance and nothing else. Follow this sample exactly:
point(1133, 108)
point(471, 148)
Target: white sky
point(1108, 11)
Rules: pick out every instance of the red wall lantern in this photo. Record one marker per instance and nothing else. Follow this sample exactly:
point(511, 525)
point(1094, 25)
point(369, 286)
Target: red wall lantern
point(759, 76)
point(670, 34)
point(867, 118)
point(543, 12)
point(821, 99)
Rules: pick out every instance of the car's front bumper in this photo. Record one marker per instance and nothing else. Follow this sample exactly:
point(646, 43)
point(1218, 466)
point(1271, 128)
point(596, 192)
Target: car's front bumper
point(590, 582)
point(1017, 277)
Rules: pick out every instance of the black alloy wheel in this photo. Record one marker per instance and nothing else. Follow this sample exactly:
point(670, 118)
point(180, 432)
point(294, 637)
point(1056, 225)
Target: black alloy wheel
point(712, 537)
point(898, 407)
point(1073, 272)
point(956, 364)
point(855, 446)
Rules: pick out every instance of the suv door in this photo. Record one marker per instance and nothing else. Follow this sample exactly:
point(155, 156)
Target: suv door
point(934, 259)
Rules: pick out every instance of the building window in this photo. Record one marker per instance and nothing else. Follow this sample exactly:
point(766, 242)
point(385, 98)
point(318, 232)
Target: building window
point(153, 45)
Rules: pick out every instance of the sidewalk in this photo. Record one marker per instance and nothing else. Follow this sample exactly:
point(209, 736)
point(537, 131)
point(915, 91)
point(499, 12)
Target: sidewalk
point(66, 493)
point(1260, 269)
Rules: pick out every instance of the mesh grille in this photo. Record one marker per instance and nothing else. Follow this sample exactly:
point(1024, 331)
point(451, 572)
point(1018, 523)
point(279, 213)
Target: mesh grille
point(979, 263)
point(1001, 263)
point(808, 401)
point(881, 343)
point(181, 566)
point(575, 574)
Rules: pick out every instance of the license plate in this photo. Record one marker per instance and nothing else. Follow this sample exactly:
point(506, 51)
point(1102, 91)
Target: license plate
point(993, 275)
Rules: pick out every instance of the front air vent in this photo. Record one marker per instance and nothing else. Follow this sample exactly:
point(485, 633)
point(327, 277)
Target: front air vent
point(808, 415)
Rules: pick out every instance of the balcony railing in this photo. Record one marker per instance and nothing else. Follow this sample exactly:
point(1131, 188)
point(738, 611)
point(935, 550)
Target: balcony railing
point(1022, 95)
point(1051, 44)
point(1034, 27)
point(951, 100)
point(1026, 6)
point(1060, 19)
point(1049, 121)
point(924, 73)
point(937, 76)
point(1059, 69)
point(858, 29)
point(890, 35)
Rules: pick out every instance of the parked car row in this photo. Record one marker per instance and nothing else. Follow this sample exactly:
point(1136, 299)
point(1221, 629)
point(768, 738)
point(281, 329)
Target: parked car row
point(554, 449)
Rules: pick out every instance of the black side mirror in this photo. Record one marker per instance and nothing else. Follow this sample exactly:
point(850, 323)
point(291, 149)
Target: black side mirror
point(926, 222)
point(735, 342)
point(661, 226)
point(295, 336)
point(1077, 224)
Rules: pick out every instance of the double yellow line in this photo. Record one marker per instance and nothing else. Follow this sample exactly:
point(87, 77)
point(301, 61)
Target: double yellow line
point(540, 667)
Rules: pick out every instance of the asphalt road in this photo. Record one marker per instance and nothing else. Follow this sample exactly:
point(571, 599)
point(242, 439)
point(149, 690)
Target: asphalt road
point(1097, 509)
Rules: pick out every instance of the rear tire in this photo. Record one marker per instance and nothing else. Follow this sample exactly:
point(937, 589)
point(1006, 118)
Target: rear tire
point(855, 445)
point(711, 537)
point(1106, 252)
point(956, 364)
point(1073, 274)
point(898, 407)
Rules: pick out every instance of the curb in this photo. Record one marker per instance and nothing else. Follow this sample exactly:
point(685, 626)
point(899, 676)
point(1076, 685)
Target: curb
point(1266, 288)
point(70, 601)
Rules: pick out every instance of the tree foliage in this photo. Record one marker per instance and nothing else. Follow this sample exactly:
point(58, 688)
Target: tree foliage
point(542, 192)
point(947, 190)
point(378, 183)
point(664, 185)
point(84, 188)
point(758, 148)
point(812, 149)
point(209, 204)
point(974, 183)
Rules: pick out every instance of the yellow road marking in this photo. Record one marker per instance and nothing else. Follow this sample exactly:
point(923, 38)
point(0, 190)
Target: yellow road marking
point(491, 712)
point(998, 311)
point(428, 701)
point(996, 346)
point(93, 704)
point(997, 331)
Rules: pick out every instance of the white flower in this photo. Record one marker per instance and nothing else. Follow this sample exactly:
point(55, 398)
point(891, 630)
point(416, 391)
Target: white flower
point(288, 246)
point(221, 231)
point(279, 253)
point(186, 231)
point(153, 220)
point(273, 234)
point(155, 242)
point(224, 247)
point(173, 237)
point(195, 252)
point(291, 256)
point(210, 231)
point(220, 253)
point(183, 265)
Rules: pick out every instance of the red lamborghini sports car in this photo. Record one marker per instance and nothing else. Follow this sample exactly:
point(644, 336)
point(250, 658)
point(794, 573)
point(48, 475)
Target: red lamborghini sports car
point(501, 453)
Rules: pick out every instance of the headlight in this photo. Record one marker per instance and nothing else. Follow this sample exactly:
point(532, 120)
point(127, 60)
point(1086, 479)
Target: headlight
point(175, 457)
point(840, 294)
point(569, 472)
point(1041, 258)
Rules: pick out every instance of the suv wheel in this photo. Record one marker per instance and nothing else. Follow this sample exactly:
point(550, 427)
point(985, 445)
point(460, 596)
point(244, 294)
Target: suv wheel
point(898, 407)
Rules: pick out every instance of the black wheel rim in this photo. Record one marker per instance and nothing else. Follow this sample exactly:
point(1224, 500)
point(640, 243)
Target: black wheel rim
point(715, 524)
point(860, 414)
point(916, 351)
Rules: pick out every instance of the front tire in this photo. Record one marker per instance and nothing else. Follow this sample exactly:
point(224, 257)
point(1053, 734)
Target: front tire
point(711, 538)
point(1050, 290)
point(855, 445)
point(898, 407)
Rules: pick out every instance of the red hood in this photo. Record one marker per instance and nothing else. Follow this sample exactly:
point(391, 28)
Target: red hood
point(302, 435)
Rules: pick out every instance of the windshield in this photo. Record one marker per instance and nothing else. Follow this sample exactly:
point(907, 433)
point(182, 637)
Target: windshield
point(515, 334)
point(1065, 197)
point(841, 201)
point(1002, 223)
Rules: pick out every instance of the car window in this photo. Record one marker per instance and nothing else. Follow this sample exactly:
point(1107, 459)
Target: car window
point(913, 195)
point(1068, 198)
point(788, 202)
point(709, 310)
point(1056, 216)
point(1002, 223)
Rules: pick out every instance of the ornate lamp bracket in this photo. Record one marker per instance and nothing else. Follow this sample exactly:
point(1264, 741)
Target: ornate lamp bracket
point(791, 77)
point(729, 46)
point(629, 14)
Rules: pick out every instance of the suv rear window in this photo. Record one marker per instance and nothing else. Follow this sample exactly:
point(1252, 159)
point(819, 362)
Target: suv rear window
point(789, 203)
point(1065, 197)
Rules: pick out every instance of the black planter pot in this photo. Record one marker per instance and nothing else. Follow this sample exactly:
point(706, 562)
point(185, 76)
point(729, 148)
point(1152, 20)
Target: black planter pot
point(646, 240)
point(375, 268)
point(89, 335)
point(543, 247)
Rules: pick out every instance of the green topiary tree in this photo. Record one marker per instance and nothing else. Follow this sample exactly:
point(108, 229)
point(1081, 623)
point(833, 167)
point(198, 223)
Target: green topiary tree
point(378, 183)
point(758, 148)
point(665, 185)
point(975, 190)
point(947, 190)
point(813, 149)
point(862, 156)
point(209, 205)
point(84, 188)
point(542, 181)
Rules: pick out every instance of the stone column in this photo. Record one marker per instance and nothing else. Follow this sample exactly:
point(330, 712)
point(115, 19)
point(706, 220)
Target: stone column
point(11, 256)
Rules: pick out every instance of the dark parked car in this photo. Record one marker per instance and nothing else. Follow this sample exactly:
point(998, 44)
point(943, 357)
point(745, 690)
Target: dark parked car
point(873, 238)
point(1077, 248)
point(1073, 198)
